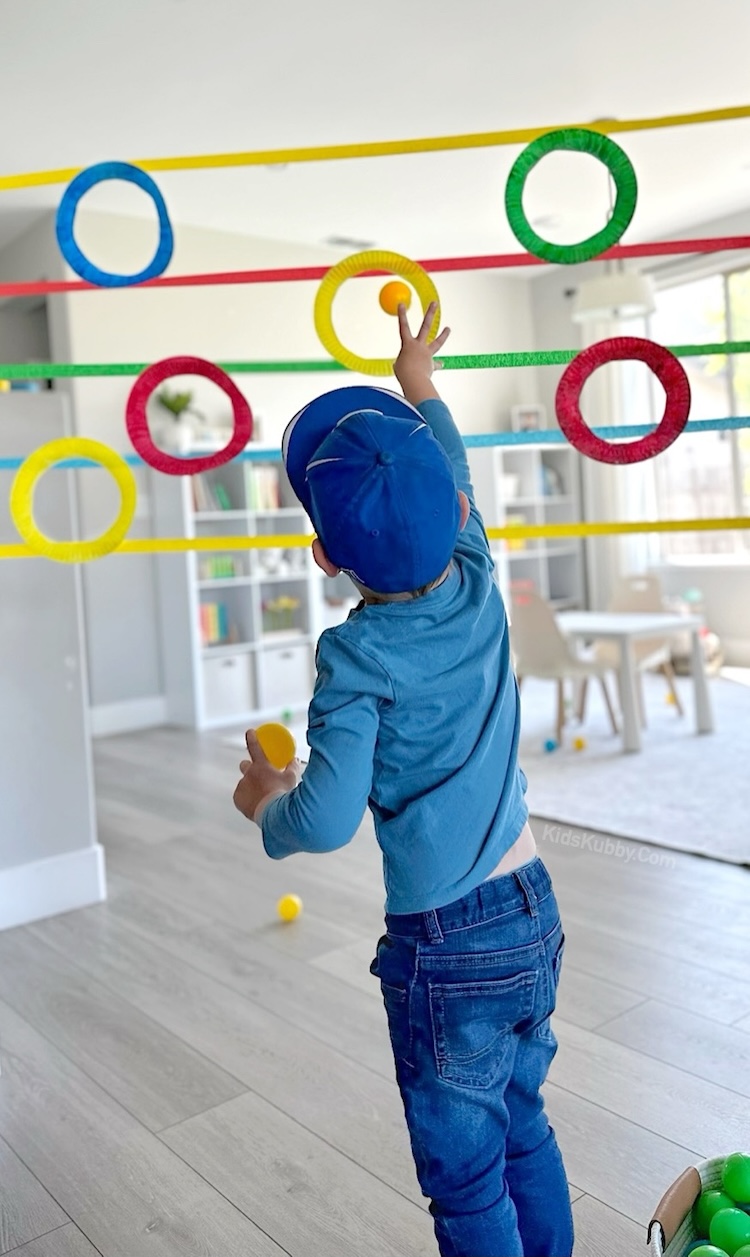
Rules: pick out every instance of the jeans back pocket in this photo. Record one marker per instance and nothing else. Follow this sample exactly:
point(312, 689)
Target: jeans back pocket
point(473, 1024)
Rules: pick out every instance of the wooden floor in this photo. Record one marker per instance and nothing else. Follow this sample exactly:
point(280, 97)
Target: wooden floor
point(184, 1076)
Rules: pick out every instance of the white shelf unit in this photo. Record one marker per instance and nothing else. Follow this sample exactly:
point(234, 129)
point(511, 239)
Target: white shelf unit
point(533, 484)
point(261, 664)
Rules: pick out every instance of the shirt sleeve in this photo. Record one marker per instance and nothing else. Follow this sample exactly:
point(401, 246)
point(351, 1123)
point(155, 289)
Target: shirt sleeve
point(325, 810)
point(437, 415)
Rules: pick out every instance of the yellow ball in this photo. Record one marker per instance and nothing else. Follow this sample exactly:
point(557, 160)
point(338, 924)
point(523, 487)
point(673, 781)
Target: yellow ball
point(278, 744)
point(579, 744)
point(289, 907)
point(393, 295)
point(669, 699)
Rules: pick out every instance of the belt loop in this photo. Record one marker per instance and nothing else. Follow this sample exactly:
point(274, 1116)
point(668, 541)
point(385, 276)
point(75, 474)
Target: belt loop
point(432, 926)
point(527, 890)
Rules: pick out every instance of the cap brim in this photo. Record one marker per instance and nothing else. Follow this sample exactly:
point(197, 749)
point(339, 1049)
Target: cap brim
point(307, 431)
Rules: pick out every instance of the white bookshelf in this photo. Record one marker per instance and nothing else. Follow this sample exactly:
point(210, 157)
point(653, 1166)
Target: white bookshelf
point(532, 484)
point(252, 657)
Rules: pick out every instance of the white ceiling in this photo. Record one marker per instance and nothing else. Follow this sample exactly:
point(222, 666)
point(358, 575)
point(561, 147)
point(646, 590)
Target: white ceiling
point(87, 80)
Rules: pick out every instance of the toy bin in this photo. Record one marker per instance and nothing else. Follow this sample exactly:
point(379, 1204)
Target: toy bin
point(671, 1230)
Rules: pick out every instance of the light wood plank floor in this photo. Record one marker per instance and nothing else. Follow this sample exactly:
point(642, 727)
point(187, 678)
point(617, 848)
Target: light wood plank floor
point(185, 1076)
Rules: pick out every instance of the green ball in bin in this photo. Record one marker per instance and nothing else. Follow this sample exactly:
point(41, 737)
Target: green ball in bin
point(707, 1204)
point(735, 1177)
point(730, 1230)
point(744, 1251)
point(706, 1250)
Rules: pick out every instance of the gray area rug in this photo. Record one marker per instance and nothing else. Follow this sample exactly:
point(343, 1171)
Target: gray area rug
point(683, 791)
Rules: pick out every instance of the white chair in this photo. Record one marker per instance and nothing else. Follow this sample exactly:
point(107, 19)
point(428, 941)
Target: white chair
point(640, 594)
point(541, 650)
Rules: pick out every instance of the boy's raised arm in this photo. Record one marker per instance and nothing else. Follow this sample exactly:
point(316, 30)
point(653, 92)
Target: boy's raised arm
point(413, 369)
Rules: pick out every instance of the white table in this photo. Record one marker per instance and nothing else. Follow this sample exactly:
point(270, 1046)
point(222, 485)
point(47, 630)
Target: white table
point(624, 627)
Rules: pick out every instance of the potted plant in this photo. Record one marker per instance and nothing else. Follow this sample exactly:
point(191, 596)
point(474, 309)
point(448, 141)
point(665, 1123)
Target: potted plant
point(181, 433)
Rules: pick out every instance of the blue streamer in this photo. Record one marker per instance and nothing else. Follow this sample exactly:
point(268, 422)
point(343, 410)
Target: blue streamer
point(544, 436)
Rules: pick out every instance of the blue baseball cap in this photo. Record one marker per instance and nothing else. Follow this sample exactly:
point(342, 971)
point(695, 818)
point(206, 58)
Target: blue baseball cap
point(377, 485)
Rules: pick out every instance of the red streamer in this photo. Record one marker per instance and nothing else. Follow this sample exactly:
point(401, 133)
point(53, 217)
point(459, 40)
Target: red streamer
point(287, 274)
point(136, 421)
point(667, 370)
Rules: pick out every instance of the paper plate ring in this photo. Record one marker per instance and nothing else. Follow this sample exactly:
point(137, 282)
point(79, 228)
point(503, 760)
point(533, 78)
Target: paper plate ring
point(667, 369)
point(22, 499)
point(64, 223)
point(359, 264)
point(136, 420)
point(579, 140)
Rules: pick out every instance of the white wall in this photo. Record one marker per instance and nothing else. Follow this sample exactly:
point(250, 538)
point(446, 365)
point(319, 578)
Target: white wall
point(262, 322)
point(49, 859)
point(725, 586)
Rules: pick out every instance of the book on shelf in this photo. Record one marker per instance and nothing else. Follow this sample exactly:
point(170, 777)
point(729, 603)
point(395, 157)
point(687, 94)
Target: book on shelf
point(262, 487)
point(214, 623)
point(218, 567)
point(210, 495)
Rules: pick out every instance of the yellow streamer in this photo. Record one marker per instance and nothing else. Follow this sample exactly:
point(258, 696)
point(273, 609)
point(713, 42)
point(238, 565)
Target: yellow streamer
point(368, 260)
point(283, 541)
point(383, 148)
point(21, 501)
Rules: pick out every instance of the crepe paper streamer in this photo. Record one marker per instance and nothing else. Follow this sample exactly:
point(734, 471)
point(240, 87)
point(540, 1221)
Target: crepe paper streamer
point(668, 371)
point(295, 274)
point(578, 141)
point(543, 436)
point(21, 500)
point(603, 528)
point(370, 259)
point(65, 220)
point(383, 148)
point(136, 420)
point(460, 362)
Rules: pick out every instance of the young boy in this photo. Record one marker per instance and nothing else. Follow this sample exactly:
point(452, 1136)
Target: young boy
point(416, 715)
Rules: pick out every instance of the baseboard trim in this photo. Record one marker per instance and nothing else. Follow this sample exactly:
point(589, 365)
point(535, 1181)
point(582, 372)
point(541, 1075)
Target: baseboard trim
point(45, 888)
point(136, 713)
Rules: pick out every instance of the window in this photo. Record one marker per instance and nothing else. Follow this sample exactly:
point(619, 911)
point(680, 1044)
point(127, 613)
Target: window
point(706, 474)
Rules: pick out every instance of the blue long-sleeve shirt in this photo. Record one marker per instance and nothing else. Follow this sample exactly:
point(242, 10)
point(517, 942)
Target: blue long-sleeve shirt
point(416, 715)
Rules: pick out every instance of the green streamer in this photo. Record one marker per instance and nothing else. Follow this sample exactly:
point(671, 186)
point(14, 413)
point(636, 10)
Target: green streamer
point(458, 362)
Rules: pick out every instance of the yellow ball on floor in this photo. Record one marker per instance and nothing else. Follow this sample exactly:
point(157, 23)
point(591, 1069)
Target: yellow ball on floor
point(669, 699)
point(289, 907)
point(579, 744)
point(394, 295)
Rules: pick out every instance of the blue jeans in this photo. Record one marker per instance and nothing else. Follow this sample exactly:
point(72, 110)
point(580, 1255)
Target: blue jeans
point(469, 990)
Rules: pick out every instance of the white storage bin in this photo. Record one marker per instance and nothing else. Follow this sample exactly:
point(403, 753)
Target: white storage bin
point(227, 686)
point(284, 675)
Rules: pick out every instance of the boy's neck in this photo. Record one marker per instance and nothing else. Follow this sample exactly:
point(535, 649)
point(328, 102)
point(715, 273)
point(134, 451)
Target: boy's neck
point(371, 598)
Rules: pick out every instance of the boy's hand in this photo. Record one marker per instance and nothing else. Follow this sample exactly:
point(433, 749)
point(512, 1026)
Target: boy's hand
point(260, 779)
point(416, 362)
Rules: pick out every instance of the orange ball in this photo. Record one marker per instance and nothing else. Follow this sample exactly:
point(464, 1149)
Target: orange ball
point(393, 295)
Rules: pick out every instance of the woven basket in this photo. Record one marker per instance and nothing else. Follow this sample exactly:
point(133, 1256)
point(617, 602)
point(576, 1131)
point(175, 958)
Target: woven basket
point(671, 1228)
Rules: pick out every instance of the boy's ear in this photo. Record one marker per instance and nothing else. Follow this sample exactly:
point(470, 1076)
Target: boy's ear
point(465, 509)
point(322, 559)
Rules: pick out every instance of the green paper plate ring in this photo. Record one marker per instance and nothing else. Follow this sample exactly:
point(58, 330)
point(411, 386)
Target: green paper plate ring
point(579, 140)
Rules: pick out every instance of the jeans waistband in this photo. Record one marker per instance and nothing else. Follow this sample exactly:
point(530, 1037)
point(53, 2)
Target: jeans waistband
point(525, 888)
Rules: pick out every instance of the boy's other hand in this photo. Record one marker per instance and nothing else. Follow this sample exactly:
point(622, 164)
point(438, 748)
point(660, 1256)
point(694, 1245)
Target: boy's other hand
point(260, 779)
point(416, 362)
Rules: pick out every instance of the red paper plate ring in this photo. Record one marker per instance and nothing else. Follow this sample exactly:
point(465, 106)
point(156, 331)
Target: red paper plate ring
point(667, 369)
